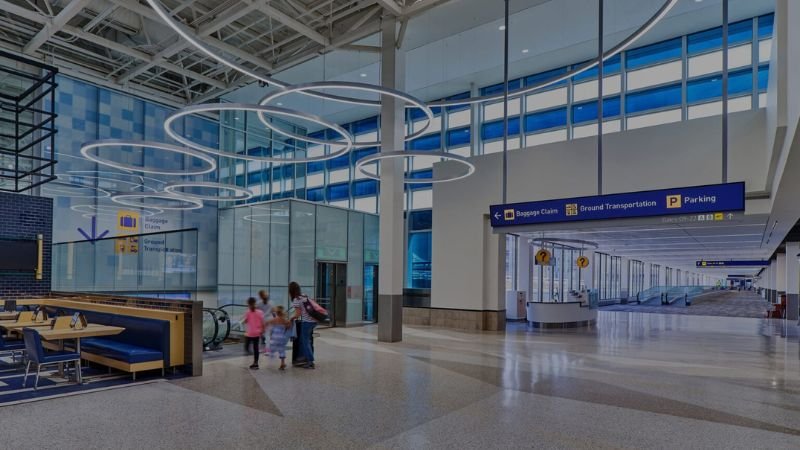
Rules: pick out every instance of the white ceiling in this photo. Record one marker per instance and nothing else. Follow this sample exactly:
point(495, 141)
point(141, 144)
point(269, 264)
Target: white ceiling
point(675, 245)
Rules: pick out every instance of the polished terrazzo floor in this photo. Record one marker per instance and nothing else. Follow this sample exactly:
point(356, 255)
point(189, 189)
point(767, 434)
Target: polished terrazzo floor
point(634, 381)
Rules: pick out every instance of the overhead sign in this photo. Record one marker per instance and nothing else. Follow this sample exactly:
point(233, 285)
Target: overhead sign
point(582, 262)
point(740, 263)
point(543, 257)
point(712, 202)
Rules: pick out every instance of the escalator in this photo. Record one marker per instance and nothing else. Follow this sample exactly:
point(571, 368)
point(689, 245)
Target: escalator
point(216, 328)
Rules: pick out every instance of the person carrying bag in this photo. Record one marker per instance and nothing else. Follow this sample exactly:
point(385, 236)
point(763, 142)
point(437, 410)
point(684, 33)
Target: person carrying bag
point(308, 313)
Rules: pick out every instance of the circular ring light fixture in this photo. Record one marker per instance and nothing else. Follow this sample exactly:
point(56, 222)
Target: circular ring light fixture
point(260, 109)
point(137, 178)
point(240, 193)
point(130, 200)
point(87, 147)
point(147, 211)
point(110, 180)
point(63, 191)
point(625, 43)
point(361, 163)
point(410, 101)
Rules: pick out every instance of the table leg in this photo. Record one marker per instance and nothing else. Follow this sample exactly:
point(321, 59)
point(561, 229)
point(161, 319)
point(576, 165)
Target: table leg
point(61, 365)
point(78, 373)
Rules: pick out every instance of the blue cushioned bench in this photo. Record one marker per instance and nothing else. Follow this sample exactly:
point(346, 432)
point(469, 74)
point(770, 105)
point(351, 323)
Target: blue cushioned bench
point(144, 345)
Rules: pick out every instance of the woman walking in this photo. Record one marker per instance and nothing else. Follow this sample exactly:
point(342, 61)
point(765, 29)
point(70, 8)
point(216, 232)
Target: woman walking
point(307, 324)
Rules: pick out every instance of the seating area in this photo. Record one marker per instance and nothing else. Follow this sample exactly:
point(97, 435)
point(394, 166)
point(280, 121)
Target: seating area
point(43, 332)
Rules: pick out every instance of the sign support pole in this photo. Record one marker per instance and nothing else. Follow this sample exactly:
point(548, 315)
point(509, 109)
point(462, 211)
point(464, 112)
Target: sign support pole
point(600, 98)
point(505, 105)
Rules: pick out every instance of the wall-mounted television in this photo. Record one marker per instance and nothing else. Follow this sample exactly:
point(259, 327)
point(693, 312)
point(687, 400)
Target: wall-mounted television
point(18, 255)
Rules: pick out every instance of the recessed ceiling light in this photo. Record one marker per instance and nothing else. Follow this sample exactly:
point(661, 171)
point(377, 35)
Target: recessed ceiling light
point(525, 50)
point(501, 27)
point(363, 75)
point(280, 104)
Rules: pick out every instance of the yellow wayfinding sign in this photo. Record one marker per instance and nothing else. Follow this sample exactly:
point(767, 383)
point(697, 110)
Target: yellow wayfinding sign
point(582, 262)
point(543, 257)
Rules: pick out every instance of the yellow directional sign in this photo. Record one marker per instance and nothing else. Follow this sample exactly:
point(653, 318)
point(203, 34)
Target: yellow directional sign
point(582, 262)
point(543, 257)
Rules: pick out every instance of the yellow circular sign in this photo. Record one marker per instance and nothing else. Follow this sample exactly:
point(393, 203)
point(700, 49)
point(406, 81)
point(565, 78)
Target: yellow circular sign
point(582, 262)
point(543, 257)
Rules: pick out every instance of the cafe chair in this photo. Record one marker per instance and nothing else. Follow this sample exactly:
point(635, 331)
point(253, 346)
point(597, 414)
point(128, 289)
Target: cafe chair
point(15, 347)
point(10, 305)
point(37, 355)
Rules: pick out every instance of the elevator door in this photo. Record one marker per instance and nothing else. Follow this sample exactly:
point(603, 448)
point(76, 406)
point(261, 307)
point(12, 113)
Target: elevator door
point(332, 291)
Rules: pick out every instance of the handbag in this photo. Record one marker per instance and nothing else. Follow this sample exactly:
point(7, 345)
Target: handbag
point(313, 309)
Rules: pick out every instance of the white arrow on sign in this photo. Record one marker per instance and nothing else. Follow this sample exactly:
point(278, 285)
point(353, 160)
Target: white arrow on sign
point(497, 216)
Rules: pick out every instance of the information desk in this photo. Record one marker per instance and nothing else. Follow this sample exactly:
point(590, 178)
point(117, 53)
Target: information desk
point(560, 315)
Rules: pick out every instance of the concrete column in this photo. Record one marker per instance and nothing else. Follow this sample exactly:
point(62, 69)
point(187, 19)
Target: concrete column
point(524, 267)
point(792, 281)
point(780, 273)
point(390, 275)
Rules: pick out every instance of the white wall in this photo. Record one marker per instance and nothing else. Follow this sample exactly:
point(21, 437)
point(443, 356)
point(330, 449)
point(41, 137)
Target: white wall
point(678, 154)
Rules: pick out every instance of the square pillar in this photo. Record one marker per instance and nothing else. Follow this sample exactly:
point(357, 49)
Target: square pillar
point(392, 231)
point(792, 281)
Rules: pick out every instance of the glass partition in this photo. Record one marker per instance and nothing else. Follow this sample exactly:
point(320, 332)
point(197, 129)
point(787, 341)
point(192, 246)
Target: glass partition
point(282, 241)
point(144, 263)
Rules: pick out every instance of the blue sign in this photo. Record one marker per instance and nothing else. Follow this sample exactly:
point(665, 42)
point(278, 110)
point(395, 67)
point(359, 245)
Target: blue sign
point(712, 201)
point(741, 263)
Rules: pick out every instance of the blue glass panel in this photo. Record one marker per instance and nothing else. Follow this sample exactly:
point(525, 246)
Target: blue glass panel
point(543, 76)
point(653, 98)
point(765, 24)
point(339, 162)
point(498, 88)
point(554, 118)
point(494, 130)
point(258, 151)
point(703, 41)
point(365, 187)
point(460, 96)
point(429, 142)
point(419, 260)
point(363, 152)
point(763, 77)
point(317, 134)
point(338, 191)
point(288, 171)
point(458, 136)
point(584, 112)
point(420, 220)
point(612, 65)
point(711, 87)
point(315, 195)
point(415, 114)
point(364, 125)
point(314, 167)
point(655, 53)
point(257, 177)
point(420, 175)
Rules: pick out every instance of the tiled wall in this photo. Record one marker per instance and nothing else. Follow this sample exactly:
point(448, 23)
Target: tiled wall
point(87, 112)
point(24, 217)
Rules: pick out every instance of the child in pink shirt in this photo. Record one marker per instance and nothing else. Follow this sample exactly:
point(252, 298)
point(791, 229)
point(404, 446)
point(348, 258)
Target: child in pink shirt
point(254, 327)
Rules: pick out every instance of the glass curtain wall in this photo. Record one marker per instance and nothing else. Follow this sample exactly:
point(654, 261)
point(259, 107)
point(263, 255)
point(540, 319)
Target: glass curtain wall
point(607, 276)
point(267, 245)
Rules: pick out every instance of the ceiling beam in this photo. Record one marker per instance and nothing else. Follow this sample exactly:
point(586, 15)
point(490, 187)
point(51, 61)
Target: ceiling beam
point(145, 11)
point(25, 13)
point(125, 50)
point(292, 23)
point(392, 7)
point(54, 25)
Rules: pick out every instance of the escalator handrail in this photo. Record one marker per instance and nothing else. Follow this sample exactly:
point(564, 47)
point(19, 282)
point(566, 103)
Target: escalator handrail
point(216, 327)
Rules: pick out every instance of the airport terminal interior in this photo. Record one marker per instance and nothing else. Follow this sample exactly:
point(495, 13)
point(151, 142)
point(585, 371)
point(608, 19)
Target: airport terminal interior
point(400, 224)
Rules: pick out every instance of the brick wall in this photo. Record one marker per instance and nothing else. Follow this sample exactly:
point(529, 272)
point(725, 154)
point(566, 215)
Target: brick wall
point(23, 217)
